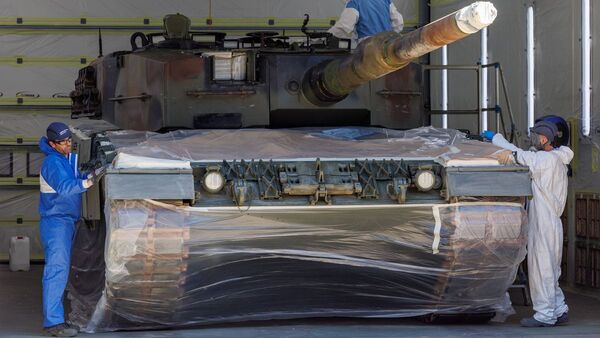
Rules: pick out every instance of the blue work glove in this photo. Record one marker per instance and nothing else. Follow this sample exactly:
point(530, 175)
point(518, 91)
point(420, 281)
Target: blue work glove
point(488, 134)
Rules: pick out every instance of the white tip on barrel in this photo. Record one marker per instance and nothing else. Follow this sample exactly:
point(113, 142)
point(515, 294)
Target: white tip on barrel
point(476, 16)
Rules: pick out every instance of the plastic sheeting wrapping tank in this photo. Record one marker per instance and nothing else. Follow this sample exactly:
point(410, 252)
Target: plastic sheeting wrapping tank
point(291, 235)
point(212, 223)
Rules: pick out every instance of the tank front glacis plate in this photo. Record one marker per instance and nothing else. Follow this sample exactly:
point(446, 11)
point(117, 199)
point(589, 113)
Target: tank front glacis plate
point(339, 166)
point(316, 182)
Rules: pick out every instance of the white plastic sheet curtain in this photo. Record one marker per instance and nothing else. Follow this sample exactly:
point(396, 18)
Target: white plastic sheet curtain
point(192, 8)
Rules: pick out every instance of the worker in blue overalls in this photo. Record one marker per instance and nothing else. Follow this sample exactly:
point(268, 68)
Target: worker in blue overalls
point(61, 186)
point(364, 18)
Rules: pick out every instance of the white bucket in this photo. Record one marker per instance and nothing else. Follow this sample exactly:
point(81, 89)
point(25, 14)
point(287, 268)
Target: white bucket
point(19, 253)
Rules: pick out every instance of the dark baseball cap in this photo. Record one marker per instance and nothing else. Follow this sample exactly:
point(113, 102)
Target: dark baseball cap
point(545, 128)
point(58, 131)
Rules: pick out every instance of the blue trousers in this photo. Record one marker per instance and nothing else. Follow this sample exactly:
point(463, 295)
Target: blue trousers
point(57, 235)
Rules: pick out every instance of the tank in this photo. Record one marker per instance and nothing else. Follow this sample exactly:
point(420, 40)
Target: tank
point(274, 177)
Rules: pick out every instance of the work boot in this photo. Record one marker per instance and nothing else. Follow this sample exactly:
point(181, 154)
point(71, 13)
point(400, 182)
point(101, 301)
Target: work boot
point(532, 322)
point(563, 319)
point(72, 326)
point(60, 330)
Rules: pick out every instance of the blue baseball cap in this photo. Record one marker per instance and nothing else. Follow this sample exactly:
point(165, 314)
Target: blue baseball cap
point(58, 131)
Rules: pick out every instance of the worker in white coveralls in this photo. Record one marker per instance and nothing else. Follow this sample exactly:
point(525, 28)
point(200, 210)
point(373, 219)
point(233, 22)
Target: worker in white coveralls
point(548, 168)
point(61, 186)
point(364, 18)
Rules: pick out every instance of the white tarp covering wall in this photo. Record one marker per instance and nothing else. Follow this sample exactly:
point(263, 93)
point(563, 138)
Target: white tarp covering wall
point(192, 8)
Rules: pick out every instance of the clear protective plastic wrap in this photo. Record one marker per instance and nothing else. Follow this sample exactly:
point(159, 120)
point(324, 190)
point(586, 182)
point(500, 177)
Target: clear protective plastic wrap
point(173, 265)
point(169, 266)
point(443, 145)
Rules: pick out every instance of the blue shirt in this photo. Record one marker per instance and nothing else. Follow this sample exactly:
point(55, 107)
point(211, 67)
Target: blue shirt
point(374, 16)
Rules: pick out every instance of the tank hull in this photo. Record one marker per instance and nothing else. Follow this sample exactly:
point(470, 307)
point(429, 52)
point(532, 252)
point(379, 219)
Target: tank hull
point(290, 235)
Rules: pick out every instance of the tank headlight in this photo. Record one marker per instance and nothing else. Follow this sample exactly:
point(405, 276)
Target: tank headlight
point(425, 180)
point(213, 181)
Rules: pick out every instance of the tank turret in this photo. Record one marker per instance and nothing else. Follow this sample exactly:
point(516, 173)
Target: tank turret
point(181, 78)
point(332, 81)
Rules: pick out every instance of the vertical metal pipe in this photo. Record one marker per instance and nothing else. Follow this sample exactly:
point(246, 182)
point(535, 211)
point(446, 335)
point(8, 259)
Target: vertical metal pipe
point(425, 18)
point(445, 87)
point(479, 107)
point(530, 70)
point(484, 79)
point(497, 98)
point(586, 90)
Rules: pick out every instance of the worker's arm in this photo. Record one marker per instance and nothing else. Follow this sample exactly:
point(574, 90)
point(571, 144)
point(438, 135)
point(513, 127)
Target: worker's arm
point(61, 182)
point(73, 162)
point(397, 20)
point(500, 141)
point(344, 27)
point(528, 158)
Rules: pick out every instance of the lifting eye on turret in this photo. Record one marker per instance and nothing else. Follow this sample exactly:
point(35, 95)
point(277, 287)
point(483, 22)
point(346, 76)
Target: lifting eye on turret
point(133, 40)
point(293, 86)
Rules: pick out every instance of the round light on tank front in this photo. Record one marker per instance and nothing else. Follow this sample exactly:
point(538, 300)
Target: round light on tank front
point(425, 180)
point(213, 181)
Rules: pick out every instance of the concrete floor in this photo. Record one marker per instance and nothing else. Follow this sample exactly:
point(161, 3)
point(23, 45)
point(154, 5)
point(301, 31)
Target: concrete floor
point(20, 316)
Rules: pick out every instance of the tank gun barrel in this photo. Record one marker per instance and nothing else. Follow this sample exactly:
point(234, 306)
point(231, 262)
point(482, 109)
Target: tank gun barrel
point(331, 81)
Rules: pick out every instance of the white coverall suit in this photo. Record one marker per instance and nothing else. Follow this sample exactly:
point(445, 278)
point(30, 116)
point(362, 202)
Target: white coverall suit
point(549, 184)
